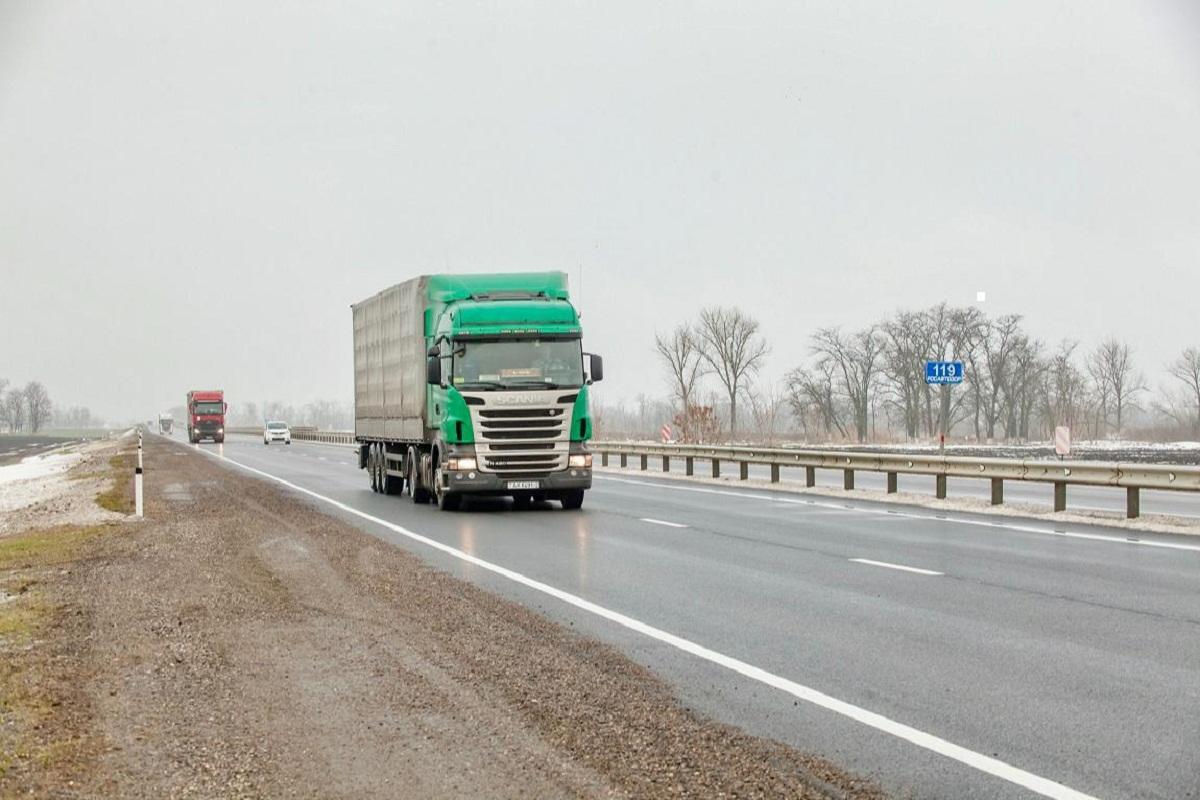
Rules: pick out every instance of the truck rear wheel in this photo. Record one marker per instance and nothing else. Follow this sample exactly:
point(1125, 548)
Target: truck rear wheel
point(371, 474)
point(412, 477)
point(571, 499)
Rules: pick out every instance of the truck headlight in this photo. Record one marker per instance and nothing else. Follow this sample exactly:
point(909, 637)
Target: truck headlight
point(583, 460)
point(220, 430)
point(461, 463)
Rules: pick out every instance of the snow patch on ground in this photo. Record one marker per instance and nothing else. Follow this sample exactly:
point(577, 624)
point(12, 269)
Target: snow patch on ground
point(56, 489)
point(35, 479)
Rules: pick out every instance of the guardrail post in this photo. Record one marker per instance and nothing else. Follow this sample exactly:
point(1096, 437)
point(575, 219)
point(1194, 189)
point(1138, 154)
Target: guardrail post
point(810, 477)
point(743, 470)
point(941, 487)
point(847, 479)
point(997, 491)
point(624, 459)
point(645, 460)
point(1133, 502)
point(1060, 496)
point(604, 459)
point(774, 473)
point(716, 467)
point(666, 463)
point(892, 483)
point(689, 465)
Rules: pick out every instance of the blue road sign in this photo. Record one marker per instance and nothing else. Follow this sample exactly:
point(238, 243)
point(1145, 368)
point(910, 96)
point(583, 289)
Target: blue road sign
point(944, 372)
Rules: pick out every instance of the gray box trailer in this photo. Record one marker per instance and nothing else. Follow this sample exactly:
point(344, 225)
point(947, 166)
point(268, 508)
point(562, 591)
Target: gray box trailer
point(389, 363)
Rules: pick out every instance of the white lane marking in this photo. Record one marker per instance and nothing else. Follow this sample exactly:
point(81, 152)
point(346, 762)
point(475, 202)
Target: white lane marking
point(1096, 537)
point(935, 744)
point(917, 570)
point(662, 522)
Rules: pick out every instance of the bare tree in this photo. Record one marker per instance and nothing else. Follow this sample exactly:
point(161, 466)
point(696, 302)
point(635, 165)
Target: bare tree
point(733, 348)
point(1064, 392)
point(681, 354)
point(37, 405)
point(991, 362)
point(856, 358)
point(766, 405)
point(14, 408)
point(1111, 364)
point(811, 396)
point(1186, 369)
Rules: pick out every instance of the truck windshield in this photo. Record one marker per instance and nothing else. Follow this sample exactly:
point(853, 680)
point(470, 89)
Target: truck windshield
point(509, 363)
point(208, 408)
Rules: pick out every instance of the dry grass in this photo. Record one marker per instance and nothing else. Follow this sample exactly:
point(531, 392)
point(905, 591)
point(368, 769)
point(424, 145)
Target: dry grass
point(119, 496)
point(36, 732)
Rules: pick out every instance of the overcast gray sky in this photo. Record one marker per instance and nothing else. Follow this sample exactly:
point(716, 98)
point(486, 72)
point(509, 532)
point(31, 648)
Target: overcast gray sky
point(192, 194)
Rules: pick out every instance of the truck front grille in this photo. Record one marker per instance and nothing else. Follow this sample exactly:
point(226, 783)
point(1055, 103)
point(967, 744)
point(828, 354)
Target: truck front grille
point(523, 441)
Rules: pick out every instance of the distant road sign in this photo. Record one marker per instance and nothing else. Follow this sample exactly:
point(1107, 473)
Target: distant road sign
point(944, 372)
point(1062, 440)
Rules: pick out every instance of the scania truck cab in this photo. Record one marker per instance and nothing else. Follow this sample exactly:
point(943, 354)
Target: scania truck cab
point(474, 385)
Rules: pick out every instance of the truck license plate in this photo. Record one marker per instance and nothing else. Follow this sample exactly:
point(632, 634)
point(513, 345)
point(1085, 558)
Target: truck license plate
point(524, 485)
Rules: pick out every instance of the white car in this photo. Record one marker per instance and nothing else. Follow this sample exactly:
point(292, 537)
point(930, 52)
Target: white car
point(277, 432)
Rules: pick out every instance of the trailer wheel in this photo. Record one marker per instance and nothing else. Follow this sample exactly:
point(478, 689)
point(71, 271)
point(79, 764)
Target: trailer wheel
point(371, 474)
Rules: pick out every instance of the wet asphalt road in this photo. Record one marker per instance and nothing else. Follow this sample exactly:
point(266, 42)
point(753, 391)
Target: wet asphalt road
point(1074, 659)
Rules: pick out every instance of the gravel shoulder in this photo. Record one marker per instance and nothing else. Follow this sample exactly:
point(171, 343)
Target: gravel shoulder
point(238, 643)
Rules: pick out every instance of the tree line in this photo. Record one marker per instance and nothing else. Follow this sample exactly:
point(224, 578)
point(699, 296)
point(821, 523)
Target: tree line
point(869, 383)
point(26, 408)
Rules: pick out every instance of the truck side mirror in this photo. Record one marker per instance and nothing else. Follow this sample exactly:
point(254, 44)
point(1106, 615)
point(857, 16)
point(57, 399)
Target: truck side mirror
point(225, 409)
point(595, 367)
point(433, 370)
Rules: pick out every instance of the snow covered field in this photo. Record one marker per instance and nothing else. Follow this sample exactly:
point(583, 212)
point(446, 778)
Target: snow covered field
point(34, 479)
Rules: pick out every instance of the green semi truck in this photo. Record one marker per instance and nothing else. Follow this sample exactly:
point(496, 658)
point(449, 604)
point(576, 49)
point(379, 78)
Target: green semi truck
point(474, 385)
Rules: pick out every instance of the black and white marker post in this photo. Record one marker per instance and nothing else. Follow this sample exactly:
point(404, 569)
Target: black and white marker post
point(137, 481)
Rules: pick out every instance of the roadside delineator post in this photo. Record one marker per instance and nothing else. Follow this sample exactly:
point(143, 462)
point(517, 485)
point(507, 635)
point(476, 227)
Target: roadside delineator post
point(137, 482)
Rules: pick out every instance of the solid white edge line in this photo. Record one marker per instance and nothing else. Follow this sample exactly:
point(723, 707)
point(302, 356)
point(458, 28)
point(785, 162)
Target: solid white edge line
point(661, 522)
point(1096, 537)
point(927, 741)
point(917, 570)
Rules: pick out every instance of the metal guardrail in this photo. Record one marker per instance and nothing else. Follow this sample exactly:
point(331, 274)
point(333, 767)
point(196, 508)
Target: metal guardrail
point(1131, 477)
point(304, 435)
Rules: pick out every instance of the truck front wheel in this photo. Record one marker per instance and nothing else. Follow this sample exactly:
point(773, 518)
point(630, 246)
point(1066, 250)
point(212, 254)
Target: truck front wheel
point(571, 499)
point(446, 500)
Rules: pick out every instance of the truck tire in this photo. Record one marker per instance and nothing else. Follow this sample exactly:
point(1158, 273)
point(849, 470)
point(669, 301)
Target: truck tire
point(446, 500)
point(371, 474)
point(571, 499)
point(412, 477)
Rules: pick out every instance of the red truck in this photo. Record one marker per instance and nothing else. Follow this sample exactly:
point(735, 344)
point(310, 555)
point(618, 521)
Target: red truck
point(206, 415)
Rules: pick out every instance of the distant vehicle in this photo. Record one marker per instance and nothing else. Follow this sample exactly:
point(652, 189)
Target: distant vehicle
point(165, 421)
point(206, 415)
point(474, 384)
point(277, 432)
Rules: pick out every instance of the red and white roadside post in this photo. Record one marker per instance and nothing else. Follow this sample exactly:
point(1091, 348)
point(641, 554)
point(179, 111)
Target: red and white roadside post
point(665, 432)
